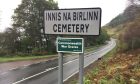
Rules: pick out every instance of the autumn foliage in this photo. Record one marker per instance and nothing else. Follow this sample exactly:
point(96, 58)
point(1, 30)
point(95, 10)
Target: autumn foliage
point(130, 38)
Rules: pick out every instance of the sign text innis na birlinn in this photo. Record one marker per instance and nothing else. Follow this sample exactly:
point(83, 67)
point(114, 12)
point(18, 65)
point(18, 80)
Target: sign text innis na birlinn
point(80, 21)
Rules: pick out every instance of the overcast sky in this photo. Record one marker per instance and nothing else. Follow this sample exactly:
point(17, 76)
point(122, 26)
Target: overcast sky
point(110, 8)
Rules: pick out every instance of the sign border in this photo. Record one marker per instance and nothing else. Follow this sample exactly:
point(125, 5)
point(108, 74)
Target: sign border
point(70, 51)
point(75, 9)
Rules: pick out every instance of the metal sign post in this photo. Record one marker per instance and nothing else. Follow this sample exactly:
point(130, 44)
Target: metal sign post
point(60, 71)
point(70, 45)
point(81, 68)
point(81, 65)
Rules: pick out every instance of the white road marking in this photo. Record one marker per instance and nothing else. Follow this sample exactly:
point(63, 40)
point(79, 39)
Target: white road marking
point(12, 69)
point(27, 65)
point(4, 73)
point(70, 76)
point(34, 75)
point(70, 61)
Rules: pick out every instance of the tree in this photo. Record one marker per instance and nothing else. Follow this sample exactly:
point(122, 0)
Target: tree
point(103, 37)
point(1, 39)
point(0, 17)
point(133, 2)
point(9, 39)
point(29, 17)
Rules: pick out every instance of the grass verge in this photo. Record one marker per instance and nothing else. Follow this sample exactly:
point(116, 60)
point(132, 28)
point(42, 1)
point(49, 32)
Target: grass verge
point(23, 58)
point(92, 71)
point(116, 68)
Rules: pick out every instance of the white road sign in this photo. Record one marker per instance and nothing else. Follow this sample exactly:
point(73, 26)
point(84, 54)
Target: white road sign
point(85, 21)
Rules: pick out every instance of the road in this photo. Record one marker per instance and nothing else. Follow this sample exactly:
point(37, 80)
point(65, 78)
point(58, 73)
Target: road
point(47, 72)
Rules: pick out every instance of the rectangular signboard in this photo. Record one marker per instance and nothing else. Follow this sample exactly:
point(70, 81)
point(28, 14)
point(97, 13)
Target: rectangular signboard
point(70, 45)
point(84, 21)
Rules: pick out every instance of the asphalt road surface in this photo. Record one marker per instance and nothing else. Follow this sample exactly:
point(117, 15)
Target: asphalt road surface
point(47, 72)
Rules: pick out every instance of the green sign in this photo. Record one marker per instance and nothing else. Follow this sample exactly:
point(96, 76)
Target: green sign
point(70, 45)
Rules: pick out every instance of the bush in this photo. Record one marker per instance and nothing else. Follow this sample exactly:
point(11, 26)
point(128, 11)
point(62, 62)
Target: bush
point(3, 52)
point(103, 81)
point(37, 51)
point(87, 81)
point(103, 37)
point(22, 54)
point(130, 39)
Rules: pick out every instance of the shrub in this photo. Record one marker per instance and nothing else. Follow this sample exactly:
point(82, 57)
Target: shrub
point(3, 52)
point(130, 38)
point(22, 54)
point(87, 81)
point(103, 81)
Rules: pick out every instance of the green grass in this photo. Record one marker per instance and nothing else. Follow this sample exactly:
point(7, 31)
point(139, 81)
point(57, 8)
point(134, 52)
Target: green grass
point(23, 58)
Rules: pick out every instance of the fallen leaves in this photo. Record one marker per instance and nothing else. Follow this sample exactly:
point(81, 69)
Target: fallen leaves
point(122, 68)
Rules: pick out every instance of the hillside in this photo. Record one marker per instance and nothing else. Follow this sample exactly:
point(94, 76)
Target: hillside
point(123, 65)
point(126, 27)
point(129, 14)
